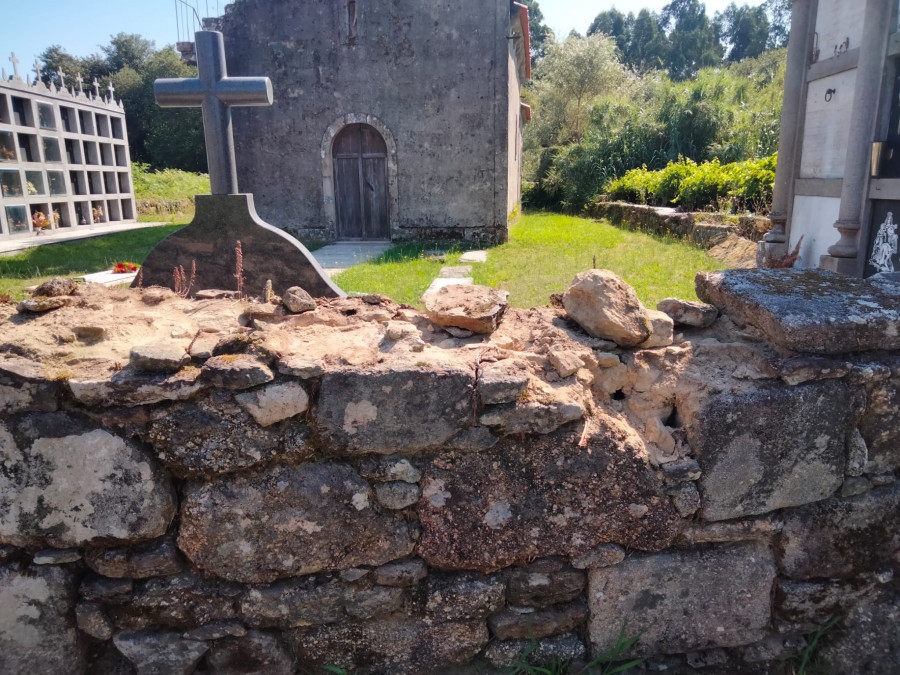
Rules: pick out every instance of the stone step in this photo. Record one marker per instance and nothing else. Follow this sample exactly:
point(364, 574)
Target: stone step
point(460, 272)
point(473, 257)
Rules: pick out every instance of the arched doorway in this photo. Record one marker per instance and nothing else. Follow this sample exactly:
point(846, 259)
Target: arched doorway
point(361, 183)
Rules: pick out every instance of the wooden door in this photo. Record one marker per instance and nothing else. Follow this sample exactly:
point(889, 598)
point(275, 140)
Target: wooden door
point(360, 183)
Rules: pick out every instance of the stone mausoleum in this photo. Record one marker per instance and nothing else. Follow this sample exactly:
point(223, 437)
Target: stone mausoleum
point(838, 178)
point(393, 119)
point(64, 154)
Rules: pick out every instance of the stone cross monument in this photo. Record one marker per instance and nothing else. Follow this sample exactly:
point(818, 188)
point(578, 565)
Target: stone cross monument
point(226, 217)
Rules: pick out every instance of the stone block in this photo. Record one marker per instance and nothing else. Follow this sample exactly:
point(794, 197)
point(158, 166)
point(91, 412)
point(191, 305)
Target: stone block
point(880, 427)
point(130, 388)
point(507, 506)
point(23, 387)
point(502, 381)
point(683, 600)
point(91, 619)
point(217, 437)
point(817, 601)
point(531, 417)
point(374, 411)
point(257, 652)
point(159, 358)
point(662, 327)
point(64, 484)
point(274, 403)
point(400, 646)
point(841, 538)
point(475, 308)
point(236, 371)
point(295, 602)
point(511, 624)
point(770, 449)
point(155, 652)
point(452, 597)
point(397, 495)
point(546, 652)
point(37, 622)
point(401, 573)
point(544, 582)
point(608, 308)
point(603, 555)
point(687, 313)
point(320, 518)
point(156, 558)
point(809, 310)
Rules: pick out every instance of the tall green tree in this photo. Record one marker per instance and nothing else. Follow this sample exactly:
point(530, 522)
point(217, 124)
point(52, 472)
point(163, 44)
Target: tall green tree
point(539, 32)
point(613, 23)
point(779, 13)
point(693, 38)
point(128, 49)
point(745, 30)
point(648, 46)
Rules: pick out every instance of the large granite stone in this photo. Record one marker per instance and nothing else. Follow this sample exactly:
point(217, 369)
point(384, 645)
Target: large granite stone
point(185, 601)
point(64, 484)
point(539, 497)
point(23, 387)
point(217, 436)
point(771, 448)
point(683, 600)
point(37, 622)
point(880, 427)
point(399, 646)
point(842, 538)
point(287, 521)
point(544, 582)
point(475, 308)
point(129, 387)
point(604, 305)
point(210, 240)
point(807, 310)
point(155, 558)
point(400, 409)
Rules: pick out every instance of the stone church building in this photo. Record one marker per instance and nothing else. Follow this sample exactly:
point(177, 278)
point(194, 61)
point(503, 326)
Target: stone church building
point(393, 119)
point(837, 183)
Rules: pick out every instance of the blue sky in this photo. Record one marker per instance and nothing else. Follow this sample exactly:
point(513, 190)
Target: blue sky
point(28, 27)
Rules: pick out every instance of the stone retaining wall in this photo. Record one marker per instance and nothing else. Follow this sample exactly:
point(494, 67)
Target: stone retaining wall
point(703, 229)
point(222, 487)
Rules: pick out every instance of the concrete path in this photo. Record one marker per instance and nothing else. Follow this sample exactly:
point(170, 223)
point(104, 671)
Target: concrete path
point(17, 244)
point(337, 257)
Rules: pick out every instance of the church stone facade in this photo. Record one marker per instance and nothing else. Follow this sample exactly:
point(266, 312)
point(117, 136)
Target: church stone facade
point(838, 178)
point(393, 119)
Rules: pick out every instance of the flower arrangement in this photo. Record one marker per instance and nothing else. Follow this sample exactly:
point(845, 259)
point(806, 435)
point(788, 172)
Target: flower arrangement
point(97, 214)
point(32, 190)
point(7, 153)
point(39, 220)
point(125, 267)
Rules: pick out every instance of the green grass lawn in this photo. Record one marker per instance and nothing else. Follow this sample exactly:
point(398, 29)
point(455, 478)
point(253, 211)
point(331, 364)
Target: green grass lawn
point(40, 263)
point(544, 253)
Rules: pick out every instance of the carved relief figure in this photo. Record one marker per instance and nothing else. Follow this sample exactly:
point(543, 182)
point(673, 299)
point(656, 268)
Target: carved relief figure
point(885, 246)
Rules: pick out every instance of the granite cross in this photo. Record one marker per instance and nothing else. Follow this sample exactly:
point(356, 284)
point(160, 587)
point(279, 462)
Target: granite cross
point(13, 60)
point(62, 78)
point(96, 86)
point(80, 80)
point(215, 93)
point(37, 69)
point(111, 90)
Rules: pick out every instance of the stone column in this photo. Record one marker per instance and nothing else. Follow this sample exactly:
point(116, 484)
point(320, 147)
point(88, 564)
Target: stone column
point(791, 111)
point(843, 256)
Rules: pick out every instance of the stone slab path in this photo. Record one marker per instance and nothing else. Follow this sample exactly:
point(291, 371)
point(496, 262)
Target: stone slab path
point(342, 255)
point(457, 275)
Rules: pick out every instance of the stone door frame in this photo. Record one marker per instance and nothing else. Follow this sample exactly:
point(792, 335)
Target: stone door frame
point(328, 168)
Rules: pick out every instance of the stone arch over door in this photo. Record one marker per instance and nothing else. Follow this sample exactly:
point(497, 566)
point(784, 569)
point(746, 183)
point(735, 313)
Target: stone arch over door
point(328, 168)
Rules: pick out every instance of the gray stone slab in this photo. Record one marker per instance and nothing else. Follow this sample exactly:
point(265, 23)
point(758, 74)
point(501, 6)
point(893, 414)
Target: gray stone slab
point(210, 240)
point(458, 272)
point(684, 600)
point(473, 257)
point(807, 310)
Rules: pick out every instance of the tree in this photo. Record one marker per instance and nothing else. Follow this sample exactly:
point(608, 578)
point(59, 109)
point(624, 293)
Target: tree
point(128, 49)
point(55, 58)
point(745, 29)
point(540, 34)
point(613, 23)
point(694, 40)
point(779, 13)
point(648, 46)
point(569, 80)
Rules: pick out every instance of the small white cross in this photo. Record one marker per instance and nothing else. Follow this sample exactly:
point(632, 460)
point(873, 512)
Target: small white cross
point(13, 60)
point(62, 78)
point(80, 80)
point(112, 90)
point(37, 69)
point(96, 86)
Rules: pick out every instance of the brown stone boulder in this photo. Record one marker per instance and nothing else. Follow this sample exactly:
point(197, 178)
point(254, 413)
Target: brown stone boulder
point(475, 308)
point(606, 307)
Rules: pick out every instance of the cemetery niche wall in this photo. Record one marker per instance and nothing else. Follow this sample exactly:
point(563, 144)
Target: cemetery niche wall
point(64, 158)
point(222, 486)
point(393, 119)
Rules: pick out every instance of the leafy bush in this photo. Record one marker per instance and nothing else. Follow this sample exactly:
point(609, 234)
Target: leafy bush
point(167, 184)
point(711, 186)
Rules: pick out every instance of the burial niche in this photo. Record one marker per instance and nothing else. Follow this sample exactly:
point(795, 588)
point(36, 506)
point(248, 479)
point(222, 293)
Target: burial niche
point(361, 183)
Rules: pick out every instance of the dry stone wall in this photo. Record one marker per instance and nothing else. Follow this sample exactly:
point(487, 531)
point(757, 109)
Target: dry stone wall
point(220, 486)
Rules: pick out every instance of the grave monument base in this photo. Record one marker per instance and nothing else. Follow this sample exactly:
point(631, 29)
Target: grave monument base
point(210, 241)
